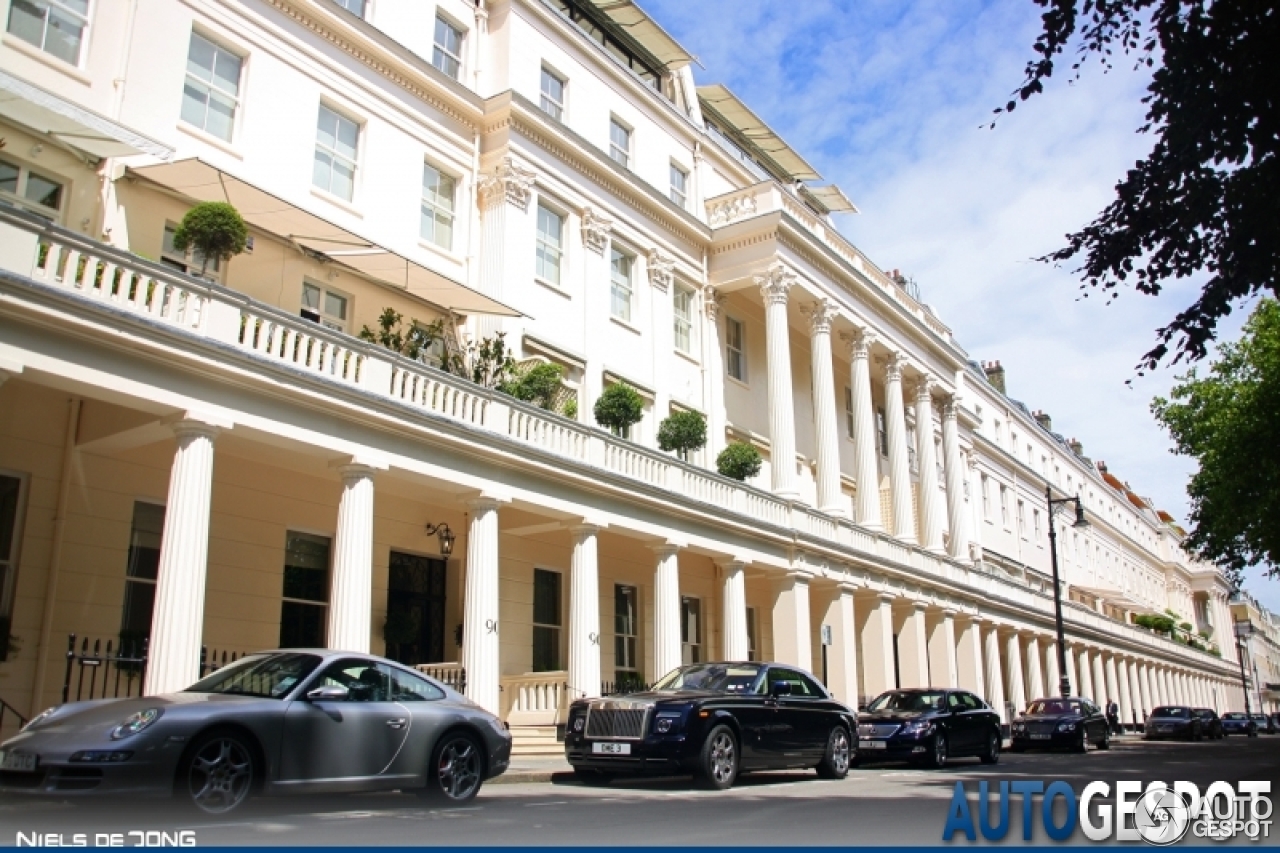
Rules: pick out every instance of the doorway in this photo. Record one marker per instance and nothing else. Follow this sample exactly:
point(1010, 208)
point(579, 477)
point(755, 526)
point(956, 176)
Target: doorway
point(415, 609)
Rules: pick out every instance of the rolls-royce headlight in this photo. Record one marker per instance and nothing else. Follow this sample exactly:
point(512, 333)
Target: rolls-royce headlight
point(666, 722)
point(579, 723)
point(135, 723)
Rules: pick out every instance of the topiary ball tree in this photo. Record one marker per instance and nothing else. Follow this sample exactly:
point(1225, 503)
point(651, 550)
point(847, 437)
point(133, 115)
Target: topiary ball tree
point(739, 460)
point(213, 229)
point(619, 408)
point(682, 432)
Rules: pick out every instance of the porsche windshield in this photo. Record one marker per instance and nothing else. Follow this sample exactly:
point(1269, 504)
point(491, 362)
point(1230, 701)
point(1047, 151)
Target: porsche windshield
point(726, 678)
point(268, 676)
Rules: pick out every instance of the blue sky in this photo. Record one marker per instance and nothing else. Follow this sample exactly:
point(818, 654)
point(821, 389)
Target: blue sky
point(890, 100)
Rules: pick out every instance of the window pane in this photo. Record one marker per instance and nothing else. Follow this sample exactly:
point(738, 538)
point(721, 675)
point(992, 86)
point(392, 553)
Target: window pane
point(26, 21)
point(624, 609)
point(200, 58)
point(301, 625)
point(221, 118)
point(144, 541)
point(306, 567)
point(226, 72)
point(546, 597)
point(195, 103)
point(8, 177)
point(139, 606)
point(43, 191)
point(310, 296)
point(546, 649)
point(410, 688)
point(63, 37)
point(335, 305)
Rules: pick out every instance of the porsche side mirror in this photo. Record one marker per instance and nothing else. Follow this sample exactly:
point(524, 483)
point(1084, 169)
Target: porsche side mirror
point(780, 688)
point(332, 693)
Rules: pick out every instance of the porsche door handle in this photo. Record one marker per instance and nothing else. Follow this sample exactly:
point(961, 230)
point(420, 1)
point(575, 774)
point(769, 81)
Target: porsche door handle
point(396, 723)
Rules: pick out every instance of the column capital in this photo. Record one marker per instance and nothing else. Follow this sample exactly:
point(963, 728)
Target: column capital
point(194, 428)
point(661, 269)
point(923, 388)
point(893, 364)
point(665, 549)
point(483, 503)
point(353, 472)
point(712, 299)
point(920, 606)
point(508, 182)
point(821, 314)
point(885, 597)
point(583, 529)
point(775, 283)
point(595, 229)
point(949, 407)
point(859, 340)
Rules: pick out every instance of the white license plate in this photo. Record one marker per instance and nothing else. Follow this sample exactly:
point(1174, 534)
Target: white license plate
point(872, 744)
point(19, 761)
point(611, 748)
point(1040, 737)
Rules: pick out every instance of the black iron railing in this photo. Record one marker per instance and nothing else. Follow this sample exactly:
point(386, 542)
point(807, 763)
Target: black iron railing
point(622, 688)
point(7, 710)
point(211, 661)
point(111, 670)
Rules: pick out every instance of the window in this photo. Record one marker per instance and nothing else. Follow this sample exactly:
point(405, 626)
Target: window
point(620, 284)
point(552, 101)
point(682, 311)
point(626, 628)
point(55, 26)
point(735, 356)
point(1013, 444)
point(141, 571)
point(1022, 519)
point(305, 600)
point(359, 8)
point(447, 53)
point(437, 206)
point(190, 261)
point(690, 630)
point(1035, 523)
point(848, 411)
point(1004, 506)
point(546, 621)
point(620, 143)
point(324, 306)
point(802, 686)
point(753, 635)
point(986, 498)
point(550, 244)
point(337, 140)
point(29, 190)
point(882, 432)
point(679, 183)
point(11, 499)
point(211, 91)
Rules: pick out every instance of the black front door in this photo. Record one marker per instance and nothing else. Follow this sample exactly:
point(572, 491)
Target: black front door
point(415, 609)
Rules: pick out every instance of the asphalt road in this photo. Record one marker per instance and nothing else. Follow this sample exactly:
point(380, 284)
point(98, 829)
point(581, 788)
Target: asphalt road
point(882, 804)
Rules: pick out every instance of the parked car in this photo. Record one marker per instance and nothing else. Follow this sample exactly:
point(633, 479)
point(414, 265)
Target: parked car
point(1071, 722)
point(929, 726)
point(1238, 723)
point(1174, 721)
point(1210, 724)
point(1265, 725)
point(279, 722)
point(714, 720)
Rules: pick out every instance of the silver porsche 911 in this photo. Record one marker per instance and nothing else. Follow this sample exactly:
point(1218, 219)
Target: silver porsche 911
point(298, 720)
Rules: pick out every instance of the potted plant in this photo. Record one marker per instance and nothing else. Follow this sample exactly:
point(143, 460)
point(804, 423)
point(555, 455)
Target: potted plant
point(619, 408)
point(739, 460)
point(211, 229)
point(682, 432)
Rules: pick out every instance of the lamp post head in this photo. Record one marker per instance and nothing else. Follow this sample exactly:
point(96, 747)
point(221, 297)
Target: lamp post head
point(1081, 521)
point(445, 535)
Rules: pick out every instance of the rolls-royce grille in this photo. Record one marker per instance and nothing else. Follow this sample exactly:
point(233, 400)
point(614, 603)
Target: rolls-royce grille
point(869, 730)
point(615, 720)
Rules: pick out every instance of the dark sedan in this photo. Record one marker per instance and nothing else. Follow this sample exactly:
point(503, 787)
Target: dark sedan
point(295, 721)
point(1068, 723)
point(714, 720)
point(1238, 723)
point(1265, 726)
point(929, 726)
point(1210, 725)
point(1174, 721)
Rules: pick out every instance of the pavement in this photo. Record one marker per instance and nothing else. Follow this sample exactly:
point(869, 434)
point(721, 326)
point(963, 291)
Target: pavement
point(524, 770)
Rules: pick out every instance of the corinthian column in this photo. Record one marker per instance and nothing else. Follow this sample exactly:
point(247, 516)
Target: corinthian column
point(899, 472)
point(508, 186)
point(865, 463)
point(480, 648)
point(826, 426)
point(775, 283)
point(351, 596)
point(930, 508)
point(178, 621)
point(736, 642)
point(953, 463)
point(713, 346)
point(584, 613)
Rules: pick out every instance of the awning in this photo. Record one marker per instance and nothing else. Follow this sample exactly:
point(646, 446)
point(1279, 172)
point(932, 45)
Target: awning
point(739, 116)
point(832, 198)
point(45, 112)
point(200, 181)
point(653, 38)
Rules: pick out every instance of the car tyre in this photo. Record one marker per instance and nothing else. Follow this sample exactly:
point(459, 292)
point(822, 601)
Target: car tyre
point(218, 773)
point(718, 762)
point(991, 755)
point(1082, 742)
point(1105, 743)
point(938, 757)
point(456, 770)
point(835, 761)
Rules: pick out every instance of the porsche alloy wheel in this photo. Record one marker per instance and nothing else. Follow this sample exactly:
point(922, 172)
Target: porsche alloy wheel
point(218, 775)
point(455, 768)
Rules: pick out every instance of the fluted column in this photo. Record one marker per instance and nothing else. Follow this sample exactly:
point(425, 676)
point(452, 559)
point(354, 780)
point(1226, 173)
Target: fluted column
point(1017, 686)
point(1086, 676)
point(926, 454)
point(792, 639)
point(177, 625)
point(842, 655)
point(1113, 682)
point(826, 424)
point(713, 347)
point(866, 468)
point(913, 649)
point(1077, 689)
point(1051, 674)
point(877, 646)
point(1162, 686)
point(584, 612)
point(1126, 699)
point(736, 642)
point(944, 670)
point(1099, 678)
point(954, 469)
point(969, 658)
point(508, 187)
point(666, 610)
point(775, 285)
point(1035, 677)
point(1150, 698)
point(995, 676)
point(1138, 709)
point(904, 527)
point(480, 645)
point(351, 591)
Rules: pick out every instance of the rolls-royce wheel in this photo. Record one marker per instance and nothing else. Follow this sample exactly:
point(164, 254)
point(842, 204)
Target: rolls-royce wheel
point(938, 756)
point(455, 769)
point(718, 763)
point(1105, 743)
point(217, 774)
point(835, 761)
point(992, 753)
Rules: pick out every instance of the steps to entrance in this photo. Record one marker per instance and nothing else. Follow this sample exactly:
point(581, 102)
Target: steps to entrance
point(532, 741)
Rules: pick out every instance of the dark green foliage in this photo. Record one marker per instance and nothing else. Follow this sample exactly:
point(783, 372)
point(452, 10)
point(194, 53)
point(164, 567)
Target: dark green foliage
point(412, 341)
point(213, 229)
point(1227, 421)
point(682, 432)
point(488, 362)
point(1203, 202)
point(739, 460)
point(619, 408)
point(1154, 621)
point(538, 384)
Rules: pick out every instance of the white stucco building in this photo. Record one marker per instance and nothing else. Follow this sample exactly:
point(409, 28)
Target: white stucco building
point(218, 461)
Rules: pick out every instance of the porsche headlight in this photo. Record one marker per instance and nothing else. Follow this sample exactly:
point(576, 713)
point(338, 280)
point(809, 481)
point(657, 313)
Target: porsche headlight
point(135, 723)
point(40, 718)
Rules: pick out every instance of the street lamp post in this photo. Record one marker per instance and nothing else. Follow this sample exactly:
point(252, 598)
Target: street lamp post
point(1064, 681)
point(1243, 630)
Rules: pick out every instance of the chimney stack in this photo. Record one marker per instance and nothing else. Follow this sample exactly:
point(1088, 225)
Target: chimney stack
point(995, 375)
point(1043, 419)
point(1102, 467)
point(1076, 447)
